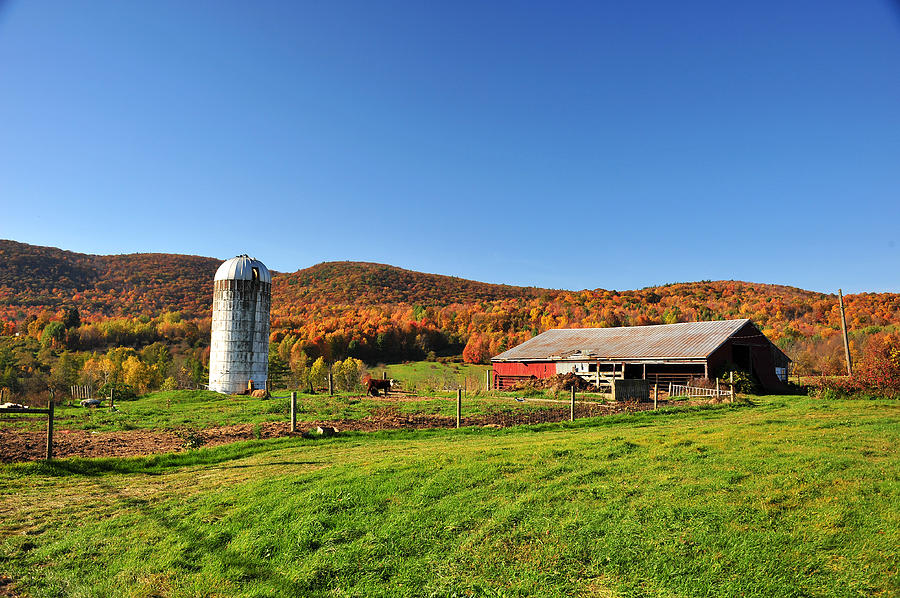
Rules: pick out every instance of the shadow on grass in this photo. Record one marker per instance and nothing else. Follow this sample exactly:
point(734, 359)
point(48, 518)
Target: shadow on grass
point(158, 464)
point(194, 547)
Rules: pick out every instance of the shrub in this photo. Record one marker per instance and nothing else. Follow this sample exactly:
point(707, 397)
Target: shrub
point(124, 392)
point(877, 373)
point(169, 384)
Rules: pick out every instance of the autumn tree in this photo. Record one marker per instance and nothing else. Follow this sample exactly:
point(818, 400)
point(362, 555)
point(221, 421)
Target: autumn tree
point(348, 374)
point(300, 369)
point(71, 318)
point(9, 370)
point(318, 374)
point(53, 335)
point(64, 373)
point(137, 374)
point(476, 350)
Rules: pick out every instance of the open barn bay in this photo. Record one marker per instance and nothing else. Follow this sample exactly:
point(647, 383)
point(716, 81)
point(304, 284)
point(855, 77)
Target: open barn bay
point(785, 497)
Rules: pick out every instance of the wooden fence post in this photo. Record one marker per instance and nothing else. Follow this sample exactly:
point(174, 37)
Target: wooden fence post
point(487, 380)
point(670, 391)
point(458, 407)
point(293, 412)
point(572, 406)
point(50, 428)
point(331, 384)
point(731, 385)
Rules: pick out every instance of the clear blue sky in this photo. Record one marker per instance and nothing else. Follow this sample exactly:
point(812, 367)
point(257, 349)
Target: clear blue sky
point(560, 144)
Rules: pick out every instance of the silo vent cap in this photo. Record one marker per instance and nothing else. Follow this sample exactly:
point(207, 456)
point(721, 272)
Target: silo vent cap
point(242, 268)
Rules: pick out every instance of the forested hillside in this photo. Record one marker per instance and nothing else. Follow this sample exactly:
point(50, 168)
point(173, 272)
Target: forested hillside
point(34, 278)
point(383, 313)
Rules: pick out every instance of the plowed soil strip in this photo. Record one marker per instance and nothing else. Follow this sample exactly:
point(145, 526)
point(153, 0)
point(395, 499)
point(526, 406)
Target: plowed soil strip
point(29, 445)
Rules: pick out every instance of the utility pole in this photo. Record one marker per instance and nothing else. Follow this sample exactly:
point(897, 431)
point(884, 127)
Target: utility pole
point(844, 328)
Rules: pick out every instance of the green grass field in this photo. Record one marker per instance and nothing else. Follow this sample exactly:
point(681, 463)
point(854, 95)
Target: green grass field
point(787, 497)
point(433, 377)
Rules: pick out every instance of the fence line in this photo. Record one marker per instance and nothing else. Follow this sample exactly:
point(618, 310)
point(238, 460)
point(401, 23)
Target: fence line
point(681, 390)
point(84, 391)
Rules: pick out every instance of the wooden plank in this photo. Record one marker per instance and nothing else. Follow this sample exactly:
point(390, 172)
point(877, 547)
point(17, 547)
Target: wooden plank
point(293, 412)
point(20, 410)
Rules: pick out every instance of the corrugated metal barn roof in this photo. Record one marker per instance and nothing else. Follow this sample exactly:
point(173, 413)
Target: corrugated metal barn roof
point(689, 340)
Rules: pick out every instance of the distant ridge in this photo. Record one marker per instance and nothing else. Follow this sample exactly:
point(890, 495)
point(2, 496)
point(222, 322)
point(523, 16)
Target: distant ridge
point(34, 277)
point(377, 312)
point(366, 283)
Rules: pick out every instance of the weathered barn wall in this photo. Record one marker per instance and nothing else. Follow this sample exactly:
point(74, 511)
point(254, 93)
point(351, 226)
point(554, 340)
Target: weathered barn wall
point(750, 350)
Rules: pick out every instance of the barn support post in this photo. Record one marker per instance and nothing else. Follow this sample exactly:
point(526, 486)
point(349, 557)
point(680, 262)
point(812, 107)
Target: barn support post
point(50, 428)
point(572, 406)
point(293, 412)
point(655, 395)
point(458, 407)
point(644, 375)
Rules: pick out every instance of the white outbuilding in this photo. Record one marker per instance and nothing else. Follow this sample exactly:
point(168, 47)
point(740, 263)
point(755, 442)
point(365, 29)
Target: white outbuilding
point(239, 347)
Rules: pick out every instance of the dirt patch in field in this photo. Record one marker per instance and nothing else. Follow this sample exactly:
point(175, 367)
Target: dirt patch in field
point(30, 445)
point(8, 588)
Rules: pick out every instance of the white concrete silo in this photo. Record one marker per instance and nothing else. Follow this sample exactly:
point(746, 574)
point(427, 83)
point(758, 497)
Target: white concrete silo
point(239, 348)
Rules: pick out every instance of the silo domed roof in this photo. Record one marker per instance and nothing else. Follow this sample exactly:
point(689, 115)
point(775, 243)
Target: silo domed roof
point(241, 268)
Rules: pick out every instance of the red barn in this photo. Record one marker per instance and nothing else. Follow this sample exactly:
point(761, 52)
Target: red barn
point(663, 353)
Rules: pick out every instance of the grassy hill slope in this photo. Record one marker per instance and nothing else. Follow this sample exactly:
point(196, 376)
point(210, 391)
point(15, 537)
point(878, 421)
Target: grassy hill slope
point(789, 497)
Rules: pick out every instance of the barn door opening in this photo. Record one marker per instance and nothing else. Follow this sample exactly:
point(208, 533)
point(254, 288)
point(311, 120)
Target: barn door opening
point(742, 357)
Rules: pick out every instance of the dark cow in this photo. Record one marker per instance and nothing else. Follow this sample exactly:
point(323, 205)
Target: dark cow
point(373, 386)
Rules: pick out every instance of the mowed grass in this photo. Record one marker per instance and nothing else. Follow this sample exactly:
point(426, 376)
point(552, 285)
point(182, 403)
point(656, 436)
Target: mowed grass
point(788, 497)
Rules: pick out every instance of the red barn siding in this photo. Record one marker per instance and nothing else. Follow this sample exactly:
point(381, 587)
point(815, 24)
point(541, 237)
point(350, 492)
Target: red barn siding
point(513, 368)
point(509, 373)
